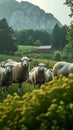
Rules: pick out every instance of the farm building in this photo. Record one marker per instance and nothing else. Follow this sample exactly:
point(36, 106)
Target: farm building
point(44, 48)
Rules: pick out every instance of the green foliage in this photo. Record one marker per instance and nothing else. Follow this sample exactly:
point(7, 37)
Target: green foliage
point(31, 51)
point(69, 3)
point(67, 53)
point(7, 40)
point(47, 108)
point(30, 37)
point(70, 34)
point(58, 56)
point(26, 49)
point(58, 37)
point(37, 43)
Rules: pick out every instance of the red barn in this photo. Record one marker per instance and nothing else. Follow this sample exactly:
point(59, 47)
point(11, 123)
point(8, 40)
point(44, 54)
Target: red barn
point(44, 48)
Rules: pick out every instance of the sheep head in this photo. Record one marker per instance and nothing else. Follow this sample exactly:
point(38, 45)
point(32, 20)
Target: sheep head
point(41, 67)
point(25, 61)
point(8, 69)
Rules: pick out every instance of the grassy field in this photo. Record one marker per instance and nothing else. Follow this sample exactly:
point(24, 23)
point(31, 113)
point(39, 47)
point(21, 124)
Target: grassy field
point(32, 52)
point(22, 48)
point(29, 51)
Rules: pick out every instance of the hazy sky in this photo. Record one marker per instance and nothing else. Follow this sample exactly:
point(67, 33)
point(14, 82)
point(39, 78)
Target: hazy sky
point(56, 7)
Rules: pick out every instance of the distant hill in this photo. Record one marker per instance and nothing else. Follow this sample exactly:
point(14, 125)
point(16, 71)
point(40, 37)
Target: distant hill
point(25, 15)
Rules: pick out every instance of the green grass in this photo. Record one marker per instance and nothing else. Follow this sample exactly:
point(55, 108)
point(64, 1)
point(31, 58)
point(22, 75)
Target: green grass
point(5, 57)
point(22, 48)
point(26, 88)
point(36, 56)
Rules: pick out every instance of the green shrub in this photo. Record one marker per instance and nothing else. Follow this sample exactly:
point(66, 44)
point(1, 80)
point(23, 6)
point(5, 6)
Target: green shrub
point(47, 108)
point(58, 56)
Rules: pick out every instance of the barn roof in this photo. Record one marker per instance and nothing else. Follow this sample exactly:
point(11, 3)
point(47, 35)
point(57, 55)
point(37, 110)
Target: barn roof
point(45, 47)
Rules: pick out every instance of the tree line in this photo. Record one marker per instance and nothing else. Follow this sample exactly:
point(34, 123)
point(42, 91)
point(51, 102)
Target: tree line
point(30, 37)
point(10, 39)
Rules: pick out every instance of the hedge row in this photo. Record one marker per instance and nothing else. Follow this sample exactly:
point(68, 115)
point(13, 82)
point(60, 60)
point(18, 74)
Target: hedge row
point(49, 108)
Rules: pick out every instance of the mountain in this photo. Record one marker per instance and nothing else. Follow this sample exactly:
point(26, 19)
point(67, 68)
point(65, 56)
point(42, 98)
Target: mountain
point(24, 15)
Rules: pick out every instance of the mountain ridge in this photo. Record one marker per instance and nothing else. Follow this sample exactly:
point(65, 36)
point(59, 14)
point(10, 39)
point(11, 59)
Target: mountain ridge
point(25, 15)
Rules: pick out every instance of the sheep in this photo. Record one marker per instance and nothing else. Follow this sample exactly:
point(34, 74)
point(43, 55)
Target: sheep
point(5, 77)
point(48, 75)
point(6, 62)
point(62, 68)
point(39, 75)
point(21, 71)
point(9, 60)
point(11, 63)
point(2, 64)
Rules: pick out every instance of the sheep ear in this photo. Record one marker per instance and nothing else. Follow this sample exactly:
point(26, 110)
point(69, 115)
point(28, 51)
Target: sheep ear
point(30, 59)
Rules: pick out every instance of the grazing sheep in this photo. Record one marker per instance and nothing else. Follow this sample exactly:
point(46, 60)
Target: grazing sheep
point(39, 75)
point(21, 71)
point(5, 77)
point(62, 68)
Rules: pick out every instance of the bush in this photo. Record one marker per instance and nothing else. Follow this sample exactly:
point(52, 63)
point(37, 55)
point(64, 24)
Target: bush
point(57, 56)
point(48, 108)
point(68, 53)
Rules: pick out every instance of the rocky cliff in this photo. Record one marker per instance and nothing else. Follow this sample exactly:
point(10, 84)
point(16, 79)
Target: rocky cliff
point(25, 15)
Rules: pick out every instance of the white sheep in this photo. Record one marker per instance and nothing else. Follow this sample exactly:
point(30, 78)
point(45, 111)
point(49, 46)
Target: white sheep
point(2, 64)
point(48, 75)
point(62, 68)
point(5, 77)
point(10, 62)
point(21, 71)
point(39, 75)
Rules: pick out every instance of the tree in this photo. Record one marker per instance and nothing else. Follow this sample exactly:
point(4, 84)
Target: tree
point(28, 37)
point(68, 53)
point(58, 56)
point(70, 34)
point(58, 37)
point(30, 40)
point(37, 43)
point(69, 3)
point(7, 39)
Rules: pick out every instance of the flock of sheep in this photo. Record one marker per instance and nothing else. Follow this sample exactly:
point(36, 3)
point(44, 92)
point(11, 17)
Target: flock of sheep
point(17, 72)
